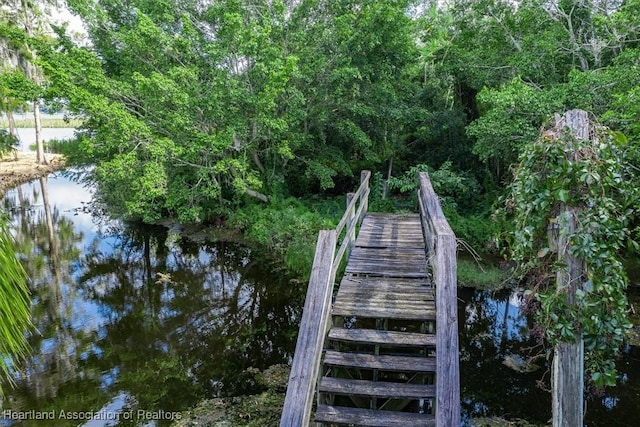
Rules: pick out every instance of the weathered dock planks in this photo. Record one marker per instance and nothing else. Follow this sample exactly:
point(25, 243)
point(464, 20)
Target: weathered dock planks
point(380, 362)
point(382, 338)
point(383, 365)
point(302, 379)
point(373, 418)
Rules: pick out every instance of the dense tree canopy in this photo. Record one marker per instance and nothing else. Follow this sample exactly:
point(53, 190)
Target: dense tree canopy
point(194, 108)
point(191, 106)
point(197, 109)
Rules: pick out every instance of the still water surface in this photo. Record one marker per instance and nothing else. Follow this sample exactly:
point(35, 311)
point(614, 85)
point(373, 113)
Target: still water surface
point(27, 136)
point(496, 379)
point(138, 318)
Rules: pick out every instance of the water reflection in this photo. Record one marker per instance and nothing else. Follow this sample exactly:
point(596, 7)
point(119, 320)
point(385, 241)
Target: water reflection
point(136, 318)
point(498, 379)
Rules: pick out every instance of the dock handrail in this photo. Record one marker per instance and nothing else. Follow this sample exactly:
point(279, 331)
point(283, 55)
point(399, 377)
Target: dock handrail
point(305, 367)
point(441, 249)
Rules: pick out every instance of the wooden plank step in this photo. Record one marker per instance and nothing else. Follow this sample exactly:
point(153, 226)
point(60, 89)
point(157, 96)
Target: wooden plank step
point(376, 217)
point(408, 234)
point(392, 230)
point(380, 362)
point(395, 258)
point(387, 271)
point(384, 338)
point(385, 282)
point(384, 250)
point(379, 389)
point(384, 313)
point(388, 255)
point(387, 241)
point(382, 265)
point(374, 286)
point(372, 417)
point(374, 295)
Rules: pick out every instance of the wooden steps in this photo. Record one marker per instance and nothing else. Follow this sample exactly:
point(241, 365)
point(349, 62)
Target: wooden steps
point(371, 417)
point(382, 338)
point(389, 246)
point(378, 389)
point(386, 281)
point(386, 298)
point(380, 362)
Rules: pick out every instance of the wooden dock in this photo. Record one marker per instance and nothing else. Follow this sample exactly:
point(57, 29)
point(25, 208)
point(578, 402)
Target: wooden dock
point(383, 349)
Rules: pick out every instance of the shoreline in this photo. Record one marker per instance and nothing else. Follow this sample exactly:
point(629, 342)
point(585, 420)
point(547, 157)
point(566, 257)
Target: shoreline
point(25, 169)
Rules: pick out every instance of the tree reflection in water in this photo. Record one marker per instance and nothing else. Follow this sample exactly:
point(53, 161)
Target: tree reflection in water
point(137, 311)
point(496, 381)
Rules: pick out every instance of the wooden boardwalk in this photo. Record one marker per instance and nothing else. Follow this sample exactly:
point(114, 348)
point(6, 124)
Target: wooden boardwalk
point(377, 352)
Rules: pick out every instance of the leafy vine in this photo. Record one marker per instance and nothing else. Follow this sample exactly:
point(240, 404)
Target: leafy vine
point(596, 178)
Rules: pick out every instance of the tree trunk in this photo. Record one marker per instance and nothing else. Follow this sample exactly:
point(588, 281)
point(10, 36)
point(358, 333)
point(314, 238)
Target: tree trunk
point(568, 358)
point(53, 244)
point(38, 127)
point(12, 123)
point(385, 185)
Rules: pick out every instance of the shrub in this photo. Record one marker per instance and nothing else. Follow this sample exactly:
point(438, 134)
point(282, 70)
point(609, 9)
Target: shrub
point(287, 227)
point(8, 143)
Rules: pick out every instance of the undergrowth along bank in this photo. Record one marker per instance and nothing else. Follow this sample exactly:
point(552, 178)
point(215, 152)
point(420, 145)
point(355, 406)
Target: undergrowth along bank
point(288, 227)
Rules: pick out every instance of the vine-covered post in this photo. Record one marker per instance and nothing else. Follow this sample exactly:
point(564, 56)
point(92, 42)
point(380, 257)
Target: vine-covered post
point(573, 202)
point(568, 357)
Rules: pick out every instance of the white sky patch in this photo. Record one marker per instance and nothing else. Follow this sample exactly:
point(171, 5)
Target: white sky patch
point(60, 15)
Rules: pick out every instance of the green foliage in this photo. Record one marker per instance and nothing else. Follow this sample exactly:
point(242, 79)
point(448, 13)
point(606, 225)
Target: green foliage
point(287, 227)
point(15, 317)
point(8, 143)
point(15, 88)
point(598, 178)
point(354, 61)
point(477, 274)
point(513, 114)
point(451, 187)
point(58, 146)
point(477, 231)
point(376, 202)
point(511, 117)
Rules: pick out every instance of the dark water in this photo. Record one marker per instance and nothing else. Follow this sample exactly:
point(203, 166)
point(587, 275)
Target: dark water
point(494, 340)
point(135, 322)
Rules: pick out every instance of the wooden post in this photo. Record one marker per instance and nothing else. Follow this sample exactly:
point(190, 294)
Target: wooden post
point(306, 362)
point(447, 351)
point(567, 386)
point(442, 245)
point(364, 197)
point(351, 236)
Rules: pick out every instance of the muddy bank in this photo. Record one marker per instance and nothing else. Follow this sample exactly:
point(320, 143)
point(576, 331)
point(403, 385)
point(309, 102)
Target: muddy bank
point(14, 171)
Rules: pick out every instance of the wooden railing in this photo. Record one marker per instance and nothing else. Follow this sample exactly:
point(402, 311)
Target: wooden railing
point(441, 250)
point(315, 316)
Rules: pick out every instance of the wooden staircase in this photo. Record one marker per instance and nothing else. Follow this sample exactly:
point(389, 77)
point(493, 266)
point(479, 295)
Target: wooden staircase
point(379, 363)
point(373, 356)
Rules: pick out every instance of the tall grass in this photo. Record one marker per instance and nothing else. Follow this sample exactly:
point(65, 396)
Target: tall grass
point(480, 275)
point(46, 123)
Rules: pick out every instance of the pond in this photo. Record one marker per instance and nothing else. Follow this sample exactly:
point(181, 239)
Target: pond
point(141, 318)
point(138, 318)
point(27, 136)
